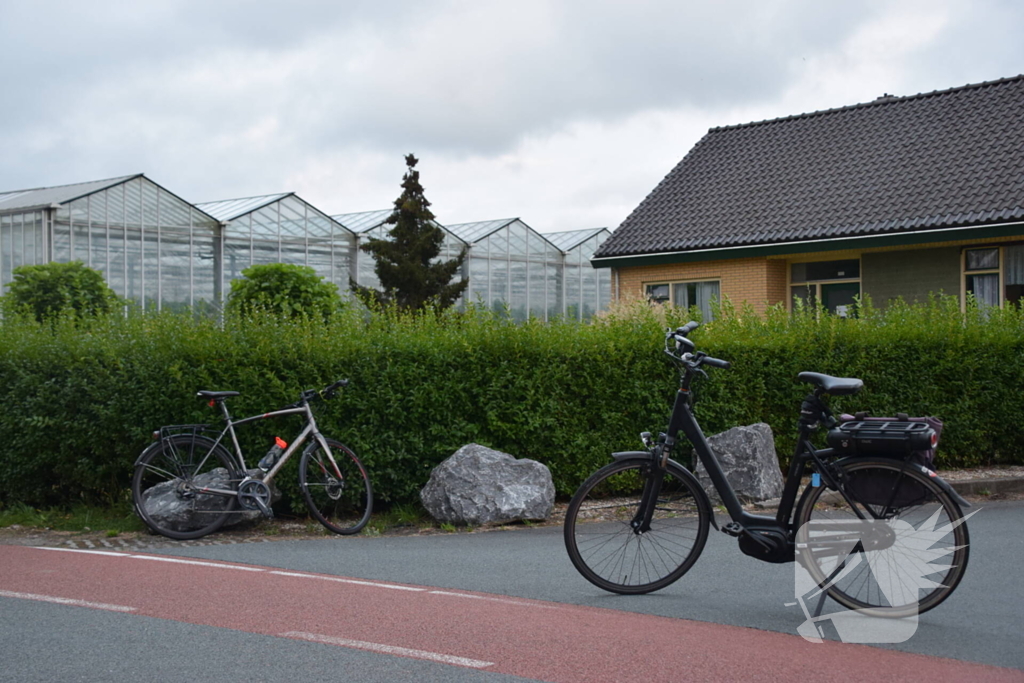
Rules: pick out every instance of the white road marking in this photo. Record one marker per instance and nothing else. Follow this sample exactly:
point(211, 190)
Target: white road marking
point(390, 649)
point(355, 581)
point(506, 601)
point(88, 552)
point(195, 562)
point(65, 601)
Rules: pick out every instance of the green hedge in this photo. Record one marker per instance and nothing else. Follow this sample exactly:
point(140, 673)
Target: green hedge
point(81, 402)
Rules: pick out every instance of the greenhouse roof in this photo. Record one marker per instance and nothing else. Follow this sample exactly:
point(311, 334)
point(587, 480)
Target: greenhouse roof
point(570, 239)
point(230, 209)
point(45, 197)
point(362, 221)
point(473, 232)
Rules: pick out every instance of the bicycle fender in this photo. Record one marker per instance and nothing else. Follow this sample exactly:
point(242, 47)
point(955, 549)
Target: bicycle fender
point(146, 450)
point(646, 455)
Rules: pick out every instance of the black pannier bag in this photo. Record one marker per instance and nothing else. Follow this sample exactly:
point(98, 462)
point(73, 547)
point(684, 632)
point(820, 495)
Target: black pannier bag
point(913, 439)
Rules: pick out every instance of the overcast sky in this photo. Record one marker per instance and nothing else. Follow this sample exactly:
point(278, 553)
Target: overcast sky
point(564, 113)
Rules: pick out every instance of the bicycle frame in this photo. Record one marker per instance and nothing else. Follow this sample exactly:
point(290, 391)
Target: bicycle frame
point(298, 441)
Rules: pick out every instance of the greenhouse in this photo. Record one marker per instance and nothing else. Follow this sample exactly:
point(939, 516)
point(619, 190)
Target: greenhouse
point(367, 224)
point(281, 228)
point(151, 246)
point(587, 289)
point(160, 251)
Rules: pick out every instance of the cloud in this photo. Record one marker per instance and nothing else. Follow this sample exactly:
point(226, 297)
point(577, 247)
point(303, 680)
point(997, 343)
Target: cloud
point(565, 113)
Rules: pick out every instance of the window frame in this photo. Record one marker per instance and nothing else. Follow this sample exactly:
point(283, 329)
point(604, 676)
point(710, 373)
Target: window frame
point(816, 284)
point(998, 271)
point(671, 284)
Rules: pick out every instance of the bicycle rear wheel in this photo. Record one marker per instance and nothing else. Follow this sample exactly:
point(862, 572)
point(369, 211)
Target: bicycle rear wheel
point(605, 548)
point(905, 559)
point(336, 487)
point(168, 481)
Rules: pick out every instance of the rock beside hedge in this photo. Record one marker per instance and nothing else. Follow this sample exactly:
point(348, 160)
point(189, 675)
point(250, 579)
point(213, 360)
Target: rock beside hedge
point(478, 485)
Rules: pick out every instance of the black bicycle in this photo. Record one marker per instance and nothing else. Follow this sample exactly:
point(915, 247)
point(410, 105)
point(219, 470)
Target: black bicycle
point(878, 533)
point(187, 484)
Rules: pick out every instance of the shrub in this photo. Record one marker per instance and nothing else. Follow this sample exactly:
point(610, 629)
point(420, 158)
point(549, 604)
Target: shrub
point(284, 289)
point(51, 289)
point(80, 404)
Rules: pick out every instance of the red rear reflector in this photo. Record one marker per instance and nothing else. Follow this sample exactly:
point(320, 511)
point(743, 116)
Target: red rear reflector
point(212, 403)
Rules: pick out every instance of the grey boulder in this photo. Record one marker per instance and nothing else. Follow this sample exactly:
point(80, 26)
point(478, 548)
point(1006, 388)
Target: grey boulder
point(747, 456)
point(478, 485)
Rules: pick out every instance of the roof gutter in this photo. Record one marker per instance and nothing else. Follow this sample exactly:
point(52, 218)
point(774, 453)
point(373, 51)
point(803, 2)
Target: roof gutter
point(802, 247)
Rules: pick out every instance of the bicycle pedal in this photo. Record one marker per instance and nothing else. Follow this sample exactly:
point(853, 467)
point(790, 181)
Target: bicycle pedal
point(733, 529)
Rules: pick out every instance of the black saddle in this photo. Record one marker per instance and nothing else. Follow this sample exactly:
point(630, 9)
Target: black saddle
point(217, 395)
point(834, 386)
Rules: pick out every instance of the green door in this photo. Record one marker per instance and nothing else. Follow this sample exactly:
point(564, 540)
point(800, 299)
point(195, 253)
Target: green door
point(839, 298)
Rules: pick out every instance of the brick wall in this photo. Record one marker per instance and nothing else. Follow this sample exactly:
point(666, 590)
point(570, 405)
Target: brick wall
point(762, 281)
point(757, 281)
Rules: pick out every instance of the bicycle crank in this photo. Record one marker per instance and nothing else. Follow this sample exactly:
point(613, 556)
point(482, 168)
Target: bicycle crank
point(253, 494)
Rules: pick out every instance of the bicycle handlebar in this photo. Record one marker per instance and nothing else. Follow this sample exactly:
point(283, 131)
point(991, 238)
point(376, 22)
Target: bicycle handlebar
point(692, 361)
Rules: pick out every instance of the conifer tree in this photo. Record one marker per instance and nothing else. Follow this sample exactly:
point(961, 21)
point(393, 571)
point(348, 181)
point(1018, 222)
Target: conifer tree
point(404, 263)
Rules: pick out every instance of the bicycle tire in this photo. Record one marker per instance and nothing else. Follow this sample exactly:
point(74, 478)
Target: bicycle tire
point(165, 482)
point(339, 494)
point(604, 547)
point(929, 547)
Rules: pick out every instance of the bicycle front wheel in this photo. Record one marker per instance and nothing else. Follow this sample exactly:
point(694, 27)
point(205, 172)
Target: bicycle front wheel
point(336, 487)
point(168, 483)
point(904, 558)
point(609, 552)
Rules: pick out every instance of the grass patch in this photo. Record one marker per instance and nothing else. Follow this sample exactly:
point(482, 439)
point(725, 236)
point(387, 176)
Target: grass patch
point(113, 521)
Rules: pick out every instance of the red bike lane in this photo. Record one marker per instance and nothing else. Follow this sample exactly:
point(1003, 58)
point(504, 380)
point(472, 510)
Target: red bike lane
point(530, 638)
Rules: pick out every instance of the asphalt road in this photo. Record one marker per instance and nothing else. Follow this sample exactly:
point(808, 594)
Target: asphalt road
point(980, 622)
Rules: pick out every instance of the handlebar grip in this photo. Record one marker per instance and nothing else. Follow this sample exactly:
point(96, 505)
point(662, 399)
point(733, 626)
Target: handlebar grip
point(688, 328)
point(716, 362)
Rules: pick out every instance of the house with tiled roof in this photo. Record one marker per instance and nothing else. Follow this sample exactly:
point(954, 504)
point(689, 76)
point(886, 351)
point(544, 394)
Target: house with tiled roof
point(898, 197)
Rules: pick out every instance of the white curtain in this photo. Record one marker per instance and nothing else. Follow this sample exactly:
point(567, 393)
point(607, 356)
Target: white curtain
point(986, 289)
point(1013, 265)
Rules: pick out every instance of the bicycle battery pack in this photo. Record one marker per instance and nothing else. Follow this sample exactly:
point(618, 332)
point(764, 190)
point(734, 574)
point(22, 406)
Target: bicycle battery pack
point(890, 438)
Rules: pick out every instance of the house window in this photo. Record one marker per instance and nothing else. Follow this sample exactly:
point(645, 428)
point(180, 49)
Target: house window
point(686, 294)
point(833, 284)
point(994, 275)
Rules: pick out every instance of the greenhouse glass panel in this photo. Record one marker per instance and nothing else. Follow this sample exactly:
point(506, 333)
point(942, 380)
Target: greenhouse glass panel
point(293, 217)
point(6, 249)
point(320, 226)
point(173, 211)
point(516, 240)
point(478, 281)
point(537, 290)
point(319, 258)
point(150, 206)
point(115, 205)
point(116, 262)
point(133, 203)
point(151, 269)
point(237, 257)
point(293, 252)
point(62, 236)
point(499, 284)
point(175, 270)
point(80, 230)
point(264, 252)
point(203, 244)
point(572, 291)
point(264, 223)
point(98, 248)
point(554, 277)
point(498, 243)
point(517, 286)
point(17, 241)
point(133, 263)
point(537, 247)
